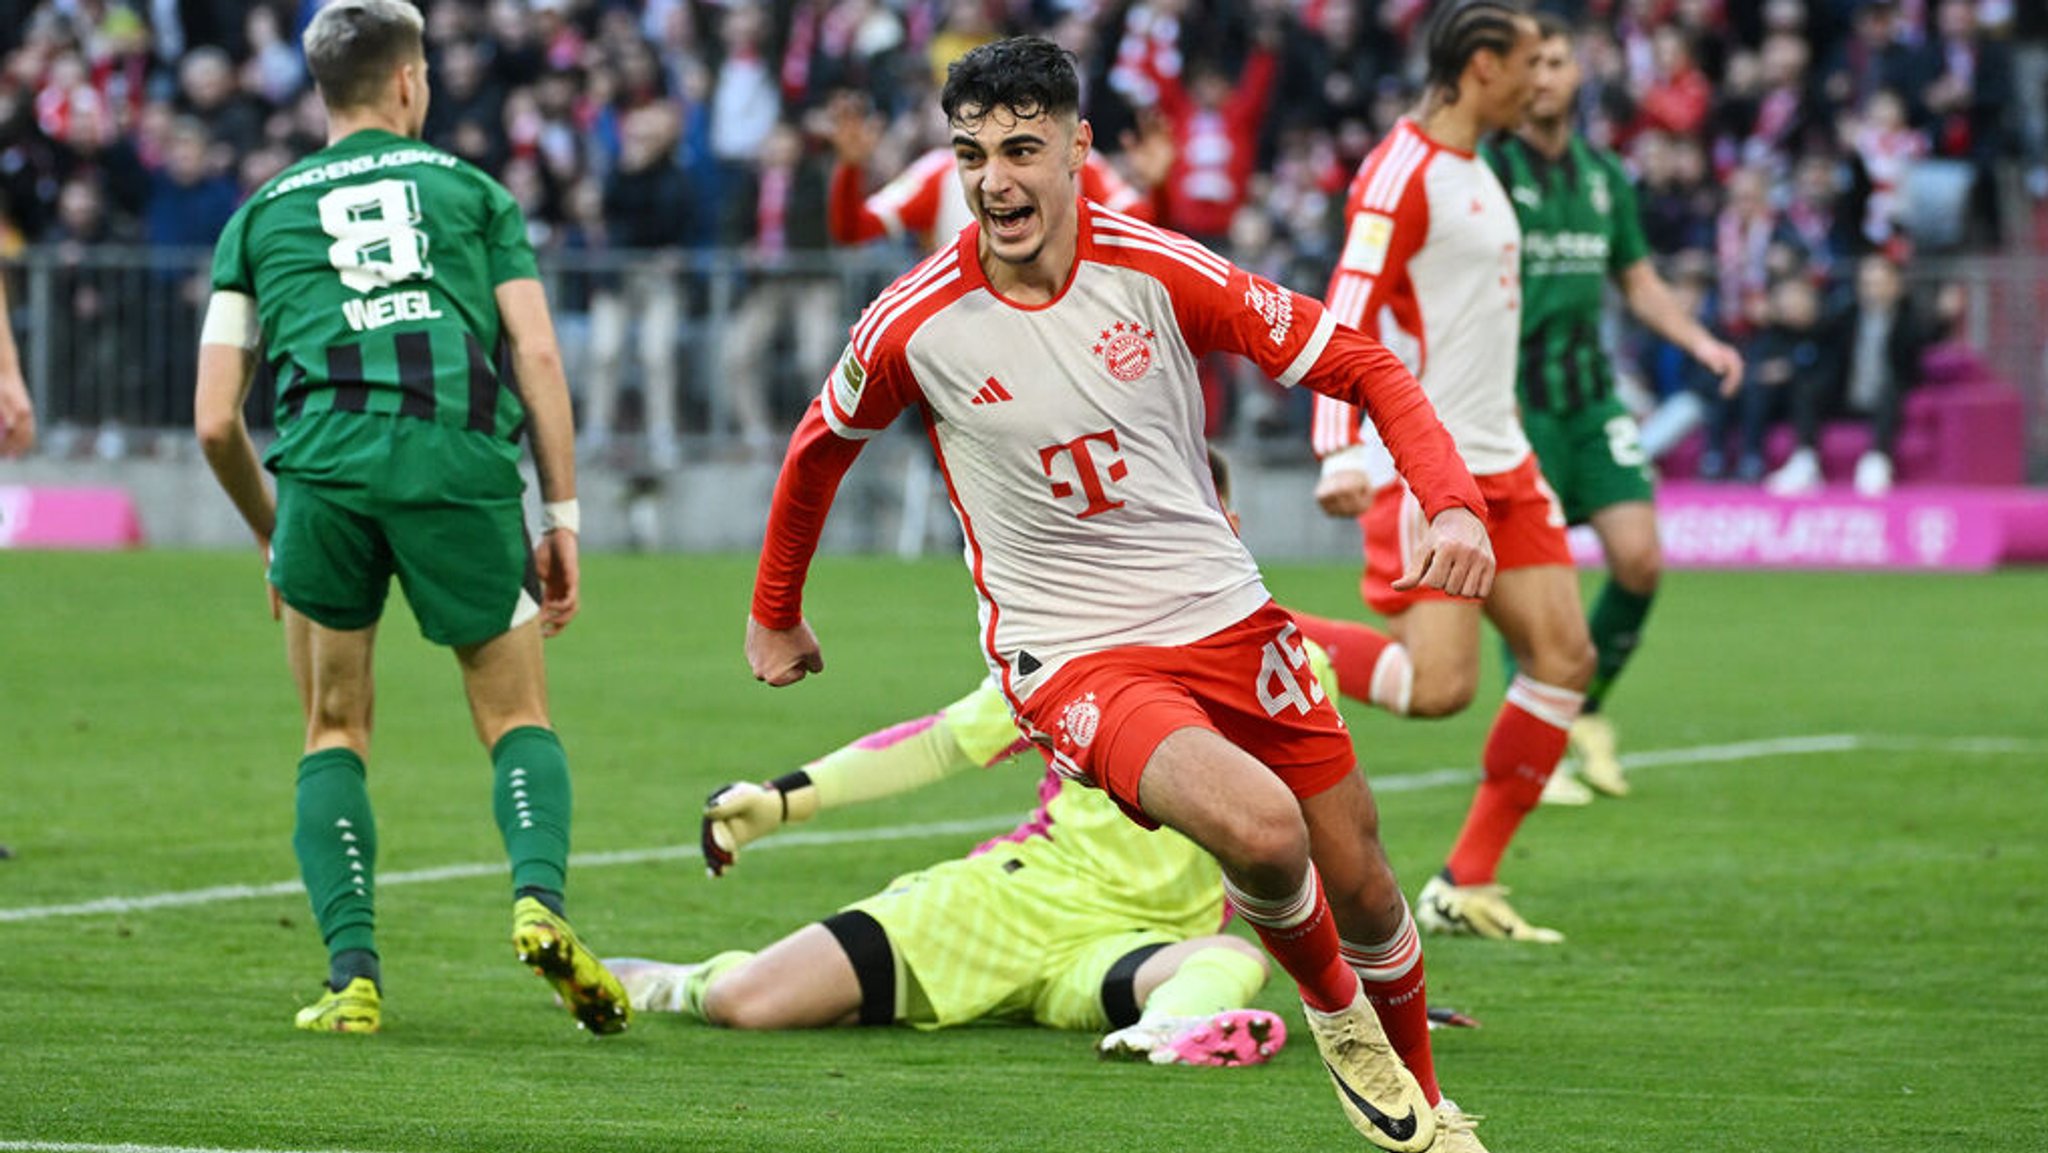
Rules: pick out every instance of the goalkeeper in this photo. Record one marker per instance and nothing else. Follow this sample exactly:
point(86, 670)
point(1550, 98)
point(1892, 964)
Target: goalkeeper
point(1077, 919)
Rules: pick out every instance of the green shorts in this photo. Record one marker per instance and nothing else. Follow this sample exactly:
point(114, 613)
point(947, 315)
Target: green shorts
point(979, 939)
point(1593, 457)
point(439, 508)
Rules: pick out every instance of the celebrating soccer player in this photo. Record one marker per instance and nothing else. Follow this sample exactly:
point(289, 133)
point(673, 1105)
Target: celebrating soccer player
point(378, 276)
point(1051, 351)
point(1579, 227)
point(1077, 919)
point(1431, 265)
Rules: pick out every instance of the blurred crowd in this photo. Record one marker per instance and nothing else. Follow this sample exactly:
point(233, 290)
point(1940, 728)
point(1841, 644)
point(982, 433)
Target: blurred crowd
point(1778, 143)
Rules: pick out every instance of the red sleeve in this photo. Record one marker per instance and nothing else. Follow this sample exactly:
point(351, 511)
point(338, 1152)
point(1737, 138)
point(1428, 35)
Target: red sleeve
point(1361, 372)
point(811, 471)
point(847, 217)
point(857, 401)
point(1384, 228)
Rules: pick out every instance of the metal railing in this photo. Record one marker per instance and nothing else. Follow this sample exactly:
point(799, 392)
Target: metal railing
point(109, 340)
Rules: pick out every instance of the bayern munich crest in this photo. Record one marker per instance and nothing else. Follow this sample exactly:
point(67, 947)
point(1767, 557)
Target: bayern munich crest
point(1079, 720)
point(1125, 349)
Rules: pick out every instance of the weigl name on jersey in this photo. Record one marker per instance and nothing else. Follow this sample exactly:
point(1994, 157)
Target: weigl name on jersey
point(392, 307)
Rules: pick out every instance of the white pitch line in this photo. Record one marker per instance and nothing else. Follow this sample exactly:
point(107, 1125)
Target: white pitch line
point(1394, 783)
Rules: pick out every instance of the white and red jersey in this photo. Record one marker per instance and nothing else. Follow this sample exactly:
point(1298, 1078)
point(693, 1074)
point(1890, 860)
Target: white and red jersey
point(1070, 437)
point(926, 200)
point(1432, 267)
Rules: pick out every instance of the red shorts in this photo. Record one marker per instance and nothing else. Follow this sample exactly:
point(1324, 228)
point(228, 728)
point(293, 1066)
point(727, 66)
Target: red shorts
point(1101, 716)
point(1523, 520)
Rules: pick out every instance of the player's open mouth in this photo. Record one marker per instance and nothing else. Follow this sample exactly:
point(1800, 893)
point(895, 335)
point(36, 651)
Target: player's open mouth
point(1010, 223)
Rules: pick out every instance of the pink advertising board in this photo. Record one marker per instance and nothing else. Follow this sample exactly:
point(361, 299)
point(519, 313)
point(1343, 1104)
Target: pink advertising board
point(1731, 526)
point(39, 516)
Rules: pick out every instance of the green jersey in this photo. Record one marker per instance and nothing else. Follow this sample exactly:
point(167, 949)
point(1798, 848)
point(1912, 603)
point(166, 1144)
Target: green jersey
point(1579, 227)
point(373, 265)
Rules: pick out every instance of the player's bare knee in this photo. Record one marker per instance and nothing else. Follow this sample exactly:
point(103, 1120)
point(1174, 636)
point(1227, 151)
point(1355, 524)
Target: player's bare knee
point(732, 1001)
point(1266, 849)
point(1638, 568)
point(1441, 691)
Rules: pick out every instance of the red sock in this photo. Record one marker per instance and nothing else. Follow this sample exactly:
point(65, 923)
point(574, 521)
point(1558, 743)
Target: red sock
point(1354, 651)
point(1302, 936)
point(1392, 975)
point(1527, 740)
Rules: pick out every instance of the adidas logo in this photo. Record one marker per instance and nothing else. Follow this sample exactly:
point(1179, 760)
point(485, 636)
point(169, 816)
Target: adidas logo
point(992, 392)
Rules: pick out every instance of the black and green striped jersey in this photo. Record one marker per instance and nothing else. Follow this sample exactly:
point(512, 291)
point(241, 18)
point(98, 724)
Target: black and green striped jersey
point(1579, 227)
point(374, 264)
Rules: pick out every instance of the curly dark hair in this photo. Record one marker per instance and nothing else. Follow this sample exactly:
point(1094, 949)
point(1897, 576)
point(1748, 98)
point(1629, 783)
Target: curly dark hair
point(1464, 30)
point(1028, 75)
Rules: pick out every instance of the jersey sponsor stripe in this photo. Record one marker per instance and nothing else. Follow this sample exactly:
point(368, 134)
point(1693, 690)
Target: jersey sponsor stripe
point(1108, 223)
point(415, 352)
point(1348, 299)
point(867, 343)
point(291, 395)
point(1335, 426)
point(1140, 245)
point(1391, 175)
point(1310, 352)
point(876, 320)
point(345, 377)
point(483, 386)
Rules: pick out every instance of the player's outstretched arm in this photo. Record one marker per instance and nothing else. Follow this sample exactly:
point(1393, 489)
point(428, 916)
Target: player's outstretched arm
point(1455, 556)
point(1650, 299)
point(901, 758)
point(227, 366)
point(544, 387)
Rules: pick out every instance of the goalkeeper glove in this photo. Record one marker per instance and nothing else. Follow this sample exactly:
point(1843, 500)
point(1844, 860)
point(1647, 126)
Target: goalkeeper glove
point(743, 812)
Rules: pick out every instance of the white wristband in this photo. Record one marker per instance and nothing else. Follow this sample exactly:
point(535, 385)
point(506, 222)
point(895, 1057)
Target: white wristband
point(561, 514)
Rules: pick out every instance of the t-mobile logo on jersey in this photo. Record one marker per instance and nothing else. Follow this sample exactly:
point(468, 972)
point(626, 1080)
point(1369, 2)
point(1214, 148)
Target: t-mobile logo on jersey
point(1094, 480)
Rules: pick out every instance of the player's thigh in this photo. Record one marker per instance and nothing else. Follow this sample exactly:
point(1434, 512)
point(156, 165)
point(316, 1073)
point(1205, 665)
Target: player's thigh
point(969, 942)
point(457, 531)
point(1093, 986)
point(329, 557)
point(1539, 615)
point(803, 981)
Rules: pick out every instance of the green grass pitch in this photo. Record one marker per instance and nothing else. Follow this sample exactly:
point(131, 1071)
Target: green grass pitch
point(1781, 942)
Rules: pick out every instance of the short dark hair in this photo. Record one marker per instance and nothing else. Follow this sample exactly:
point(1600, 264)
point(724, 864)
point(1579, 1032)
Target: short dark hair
point(1551, 26)
point(1465, 29)
point(1028, 75)
point(352, 47)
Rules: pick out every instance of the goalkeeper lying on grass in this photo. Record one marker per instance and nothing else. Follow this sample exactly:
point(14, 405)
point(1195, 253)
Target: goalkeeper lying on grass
point(1077, 919)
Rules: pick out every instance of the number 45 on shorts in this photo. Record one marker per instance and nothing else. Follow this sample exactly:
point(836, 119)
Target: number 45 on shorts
point(1285, 679)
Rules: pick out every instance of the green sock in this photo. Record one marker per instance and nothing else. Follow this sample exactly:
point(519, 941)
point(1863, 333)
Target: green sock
point(530, 798)
point(1617, 626)
point(1212, 981)
point(336, 841)
point(706, 972)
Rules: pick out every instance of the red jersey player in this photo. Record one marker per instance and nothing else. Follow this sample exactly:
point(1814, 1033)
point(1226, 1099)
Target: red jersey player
point(924, 200)
point(1050, 350)
point(1431, 265)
